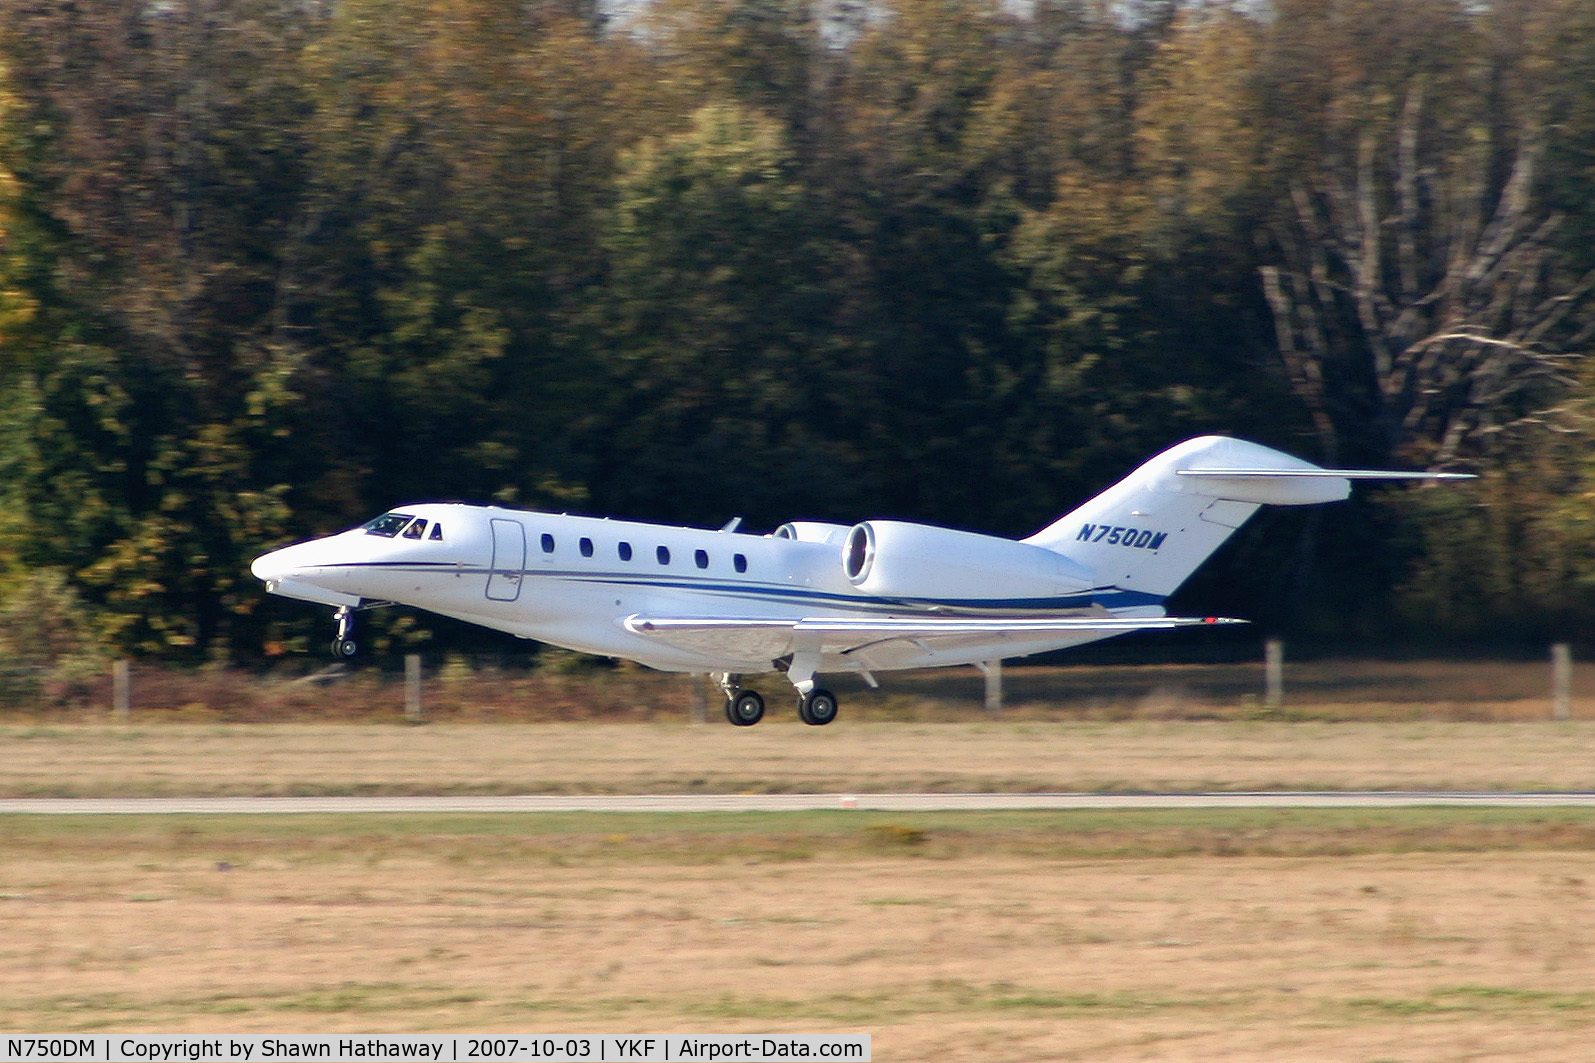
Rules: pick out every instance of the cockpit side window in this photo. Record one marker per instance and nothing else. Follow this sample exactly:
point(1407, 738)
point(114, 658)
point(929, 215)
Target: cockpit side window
point(416, 528)
point(437, 533)
point(388, 525)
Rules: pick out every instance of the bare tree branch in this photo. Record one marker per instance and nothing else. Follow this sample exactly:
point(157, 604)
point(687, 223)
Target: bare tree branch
point(1399, 268)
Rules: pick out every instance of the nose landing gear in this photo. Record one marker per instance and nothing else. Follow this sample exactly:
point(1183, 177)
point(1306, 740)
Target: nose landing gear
point(344, 646)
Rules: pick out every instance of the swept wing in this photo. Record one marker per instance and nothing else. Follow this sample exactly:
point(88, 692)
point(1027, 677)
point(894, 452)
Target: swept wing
point(770, 639)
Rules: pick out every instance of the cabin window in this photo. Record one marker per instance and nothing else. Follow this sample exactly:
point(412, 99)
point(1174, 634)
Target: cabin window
point(416, 529)
point(663, 553)
point(701, 558)
point(587, 547)
point(548, 543)
point(625, 551)
point(739, 562)
point(388, 525)
point(437, 533)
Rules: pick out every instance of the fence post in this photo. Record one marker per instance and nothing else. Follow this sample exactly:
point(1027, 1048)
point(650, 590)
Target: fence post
point(992, 670)
point(1273, 673)
point(1561, 681)
point(412, 688)
point(700, 698)
point(122, 690)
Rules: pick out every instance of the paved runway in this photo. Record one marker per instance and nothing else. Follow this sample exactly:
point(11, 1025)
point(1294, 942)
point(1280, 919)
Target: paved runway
point(771, 802)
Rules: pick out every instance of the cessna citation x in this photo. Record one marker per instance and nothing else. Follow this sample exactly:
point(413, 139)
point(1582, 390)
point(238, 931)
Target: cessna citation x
point(811, 598)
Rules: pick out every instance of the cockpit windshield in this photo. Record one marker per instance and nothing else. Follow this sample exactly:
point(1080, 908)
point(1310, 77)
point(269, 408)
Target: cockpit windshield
point(406, 524)
point(388, 525)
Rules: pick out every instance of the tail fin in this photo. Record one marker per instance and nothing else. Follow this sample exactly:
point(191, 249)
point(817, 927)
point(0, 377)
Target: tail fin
point(1147, 533)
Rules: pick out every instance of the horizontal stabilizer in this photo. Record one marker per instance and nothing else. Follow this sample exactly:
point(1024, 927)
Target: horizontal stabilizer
point(1342, 474)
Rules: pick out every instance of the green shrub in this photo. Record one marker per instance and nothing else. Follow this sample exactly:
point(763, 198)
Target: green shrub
point(50, 650)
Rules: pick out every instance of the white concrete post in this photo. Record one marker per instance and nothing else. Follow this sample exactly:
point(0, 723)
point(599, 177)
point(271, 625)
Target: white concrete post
point(412, 688)
point(700, 698)
point(122, 690)
point(992, 670)
point(1561, 681)
point(1274, 673)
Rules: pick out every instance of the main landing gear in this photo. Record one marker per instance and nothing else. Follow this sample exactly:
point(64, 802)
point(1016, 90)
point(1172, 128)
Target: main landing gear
point(744, 708)
point(817, 708)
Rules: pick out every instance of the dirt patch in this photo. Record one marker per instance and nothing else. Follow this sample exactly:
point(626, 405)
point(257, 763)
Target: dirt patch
point(946, 953)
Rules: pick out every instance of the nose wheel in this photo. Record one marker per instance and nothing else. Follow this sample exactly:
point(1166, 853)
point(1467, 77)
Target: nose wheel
point(344, 646)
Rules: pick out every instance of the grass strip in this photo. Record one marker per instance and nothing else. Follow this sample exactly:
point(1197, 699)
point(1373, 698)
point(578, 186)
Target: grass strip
point(603, 838)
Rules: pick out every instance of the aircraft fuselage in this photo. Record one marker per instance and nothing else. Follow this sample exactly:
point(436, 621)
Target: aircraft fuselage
point(574, 581)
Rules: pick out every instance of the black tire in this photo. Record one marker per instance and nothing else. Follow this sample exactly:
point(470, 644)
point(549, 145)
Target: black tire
point(818, 708)
point(746, 709)
point(343, 649)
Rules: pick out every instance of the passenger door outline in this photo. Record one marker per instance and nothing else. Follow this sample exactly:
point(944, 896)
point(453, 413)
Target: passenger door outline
point(509, 560)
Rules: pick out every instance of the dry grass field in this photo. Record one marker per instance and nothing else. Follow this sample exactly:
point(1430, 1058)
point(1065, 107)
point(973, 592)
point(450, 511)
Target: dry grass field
point(156, 759)
point(1433, 935)
point(1400, 935)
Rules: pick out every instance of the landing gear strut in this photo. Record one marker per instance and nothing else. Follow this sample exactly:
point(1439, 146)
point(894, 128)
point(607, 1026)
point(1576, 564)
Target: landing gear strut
point(816, 706)
point(344, 646)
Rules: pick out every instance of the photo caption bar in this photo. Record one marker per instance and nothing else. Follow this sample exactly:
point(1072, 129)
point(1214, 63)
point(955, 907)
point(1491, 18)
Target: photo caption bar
point(438, 1048)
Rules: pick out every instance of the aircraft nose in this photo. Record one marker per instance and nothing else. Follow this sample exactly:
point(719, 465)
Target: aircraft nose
point(269, 567)
point(300, 571)
point(287, 562)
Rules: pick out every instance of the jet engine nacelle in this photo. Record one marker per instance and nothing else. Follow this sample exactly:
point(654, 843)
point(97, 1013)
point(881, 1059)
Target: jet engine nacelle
point(895, 559)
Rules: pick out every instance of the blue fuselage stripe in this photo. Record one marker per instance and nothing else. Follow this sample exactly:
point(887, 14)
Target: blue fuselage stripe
point(1106, 597)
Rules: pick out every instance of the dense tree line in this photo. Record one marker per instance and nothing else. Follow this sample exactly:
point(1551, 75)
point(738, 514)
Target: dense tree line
point(268, 267)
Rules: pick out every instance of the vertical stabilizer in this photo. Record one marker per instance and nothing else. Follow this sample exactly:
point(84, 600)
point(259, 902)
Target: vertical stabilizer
point(1146, 534)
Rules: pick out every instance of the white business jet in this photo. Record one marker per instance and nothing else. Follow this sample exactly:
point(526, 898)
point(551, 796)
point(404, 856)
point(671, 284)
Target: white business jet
point(811, 598)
